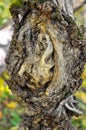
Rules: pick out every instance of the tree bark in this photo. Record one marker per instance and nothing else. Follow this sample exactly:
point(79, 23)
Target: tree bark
point(45, 61)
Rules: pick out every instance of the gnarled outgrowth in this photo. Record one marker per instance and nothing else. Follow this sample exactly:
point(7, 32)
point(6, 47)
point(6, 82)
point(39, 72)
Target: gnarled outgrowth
point(45, 62)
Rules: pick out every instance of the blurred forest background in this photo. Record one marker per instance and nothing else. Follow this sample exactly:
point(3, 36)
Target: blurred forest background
point(10, 111)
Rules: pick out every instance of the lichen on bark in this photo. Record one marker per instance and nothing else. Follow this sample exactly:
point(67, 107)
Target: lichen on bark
point(45, 62)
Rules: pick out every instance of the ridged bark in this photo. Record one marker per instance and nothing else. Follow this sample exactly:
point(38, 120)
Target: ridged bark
point(45, 61)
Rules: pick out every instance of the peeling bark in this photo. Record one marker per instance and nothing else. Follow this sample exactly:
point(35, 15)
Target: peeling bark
point(45, 62)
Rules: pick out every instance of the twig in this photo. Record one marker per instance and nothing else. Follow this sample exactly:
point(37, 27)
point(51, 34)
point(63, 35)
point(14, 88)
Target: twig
point(81, 5)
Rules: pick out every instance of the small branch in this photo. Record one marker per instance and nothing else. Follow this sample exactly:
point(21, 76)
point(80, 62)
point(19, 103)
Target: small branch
point(80, 6)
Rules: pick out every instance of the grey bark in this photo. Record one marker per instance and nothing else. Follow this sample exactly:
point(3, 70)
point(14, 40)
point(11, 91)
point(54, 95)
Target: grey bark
point(45, 62)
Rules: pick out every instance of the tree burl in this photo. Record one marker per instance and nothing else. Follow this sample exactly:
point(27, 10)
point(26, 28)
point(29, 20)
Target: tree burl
point(45, 61)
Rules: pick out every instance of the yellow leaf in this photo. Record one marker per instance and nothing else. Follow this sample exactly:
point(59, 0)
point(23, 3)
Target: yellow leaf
point(81, 95)
point(84, 73)
point(6, 89)
point(1, 81)
point(1, 94)
point(15, 128)
point(1, 115)
point(1, 88)
point(84, 122)
point(84, 83)
point(79, 117)
point(11, 105)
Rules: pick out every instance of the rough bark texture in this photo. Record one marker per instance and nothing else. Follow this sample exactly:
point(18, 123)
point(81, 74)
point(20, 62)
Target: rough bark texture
point(45, 62)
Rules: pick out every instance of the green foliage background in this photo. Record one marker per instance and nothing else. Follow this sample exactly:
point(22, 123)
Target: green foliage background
point(4, 11)
point(9, 109)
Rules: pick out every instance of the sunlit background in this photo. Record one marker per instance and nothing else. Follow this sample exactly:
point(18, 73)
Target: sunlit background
point(10, 111)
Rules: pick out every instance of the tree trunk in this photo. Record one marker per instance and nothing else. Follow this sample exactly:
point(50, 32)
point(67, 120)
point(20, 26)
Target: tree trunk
point(45, 62)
